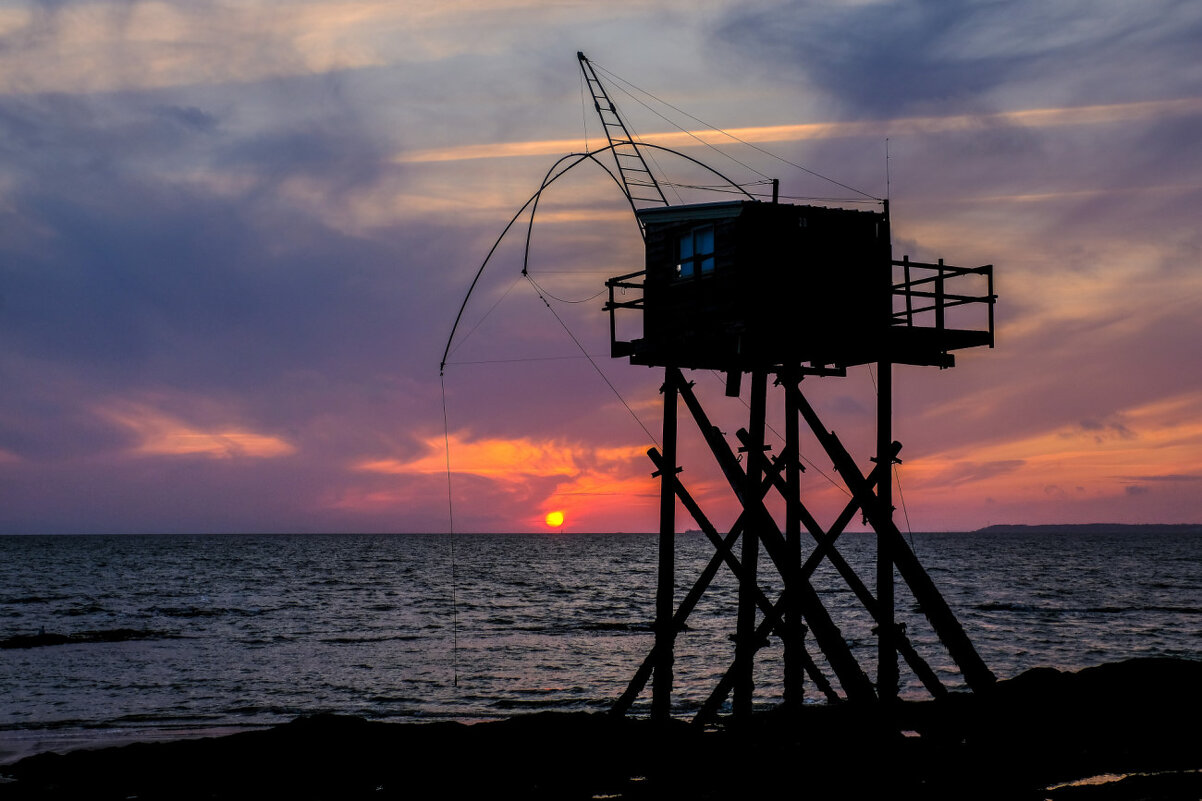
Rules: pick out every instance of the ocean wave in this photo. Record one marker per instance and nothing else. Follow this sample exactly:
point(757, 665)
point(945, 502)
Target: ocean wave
point(47, 638)
point(367, 640)
point(199, 611)
point(602, 625)
point(34, 599)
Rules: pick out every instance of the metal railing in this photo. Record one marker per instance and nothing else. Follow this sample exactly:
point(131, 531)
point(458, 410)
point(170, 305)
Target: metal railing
point(613, 304)
point(936, 276)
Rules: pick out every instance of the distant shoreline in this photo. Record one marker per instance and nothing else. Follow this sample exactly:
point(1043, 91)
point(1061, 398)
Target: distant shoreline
point(1093, 528)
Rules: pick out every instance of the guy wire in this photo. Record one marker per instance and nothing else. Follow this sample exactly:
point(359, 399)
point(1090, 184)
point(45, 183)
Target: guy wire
point(604, 377)
point(902, 497)
point(446, 438)
point(896, 475)
point(741, 141)
point(802, 456)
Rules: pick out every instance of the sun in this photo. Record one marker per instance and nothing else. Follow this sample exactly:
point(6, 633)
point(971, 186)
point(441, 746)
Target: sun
point(554, 519)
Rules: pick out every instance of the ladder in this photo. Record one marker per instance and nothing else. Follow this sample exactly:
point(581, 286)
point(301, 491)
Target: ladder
point(638, 183)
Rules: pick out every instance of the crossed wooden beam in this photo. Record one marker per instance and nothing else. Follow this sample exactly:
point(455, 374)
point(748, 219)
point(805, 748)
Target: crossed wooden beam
point(798, 609)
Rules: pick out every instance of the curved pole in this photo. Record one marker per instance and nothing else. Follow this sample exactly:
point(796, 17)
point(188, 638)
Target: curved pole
point(550, 178)
point(547, 179)
point(533, 199)
point(699, 164)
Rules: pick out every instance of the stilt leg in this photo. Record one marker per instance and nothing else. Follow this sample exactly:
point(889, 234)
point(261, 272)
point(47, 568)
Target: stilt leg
point(887, 676)
point(745, 638)
point(665, 634)
point(794, 631)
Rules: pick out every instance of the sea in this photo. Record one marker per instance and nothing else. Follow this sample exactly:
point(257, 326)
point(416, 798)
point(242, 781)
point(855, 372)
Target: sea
point(168, 636)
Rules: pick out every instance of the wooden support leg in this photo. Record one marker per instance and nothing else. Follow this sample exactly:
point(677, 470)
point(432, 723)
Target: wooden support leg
point(794, 629)
point(665, 631)
point(745, 641)
point(976, 674)
point(825, 549)
point(826, 542)
point(886, 676)
point(723, 553)
point(829, 638)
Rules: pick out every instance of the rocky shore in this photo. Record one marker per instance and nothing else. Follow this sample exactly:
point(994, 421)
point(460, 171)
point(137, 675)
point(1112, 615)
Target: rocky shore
point(1032, 737)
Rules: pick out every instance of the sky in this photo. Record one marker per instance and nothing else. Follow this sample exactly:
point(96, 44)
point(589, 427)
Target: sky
point(234, 237)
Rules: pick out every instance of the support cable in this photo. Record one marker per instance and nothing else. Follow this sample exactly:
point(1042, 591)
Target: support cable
point(544, 291)
point(446, 436)
point(651, 155)
point(682, 129)
point(604, 377)
point(522, 359)
point(554, 174)
point(480, 322)
point(896, 475)
point(583, 112)
point(837, 485)
point(766, 152)
point(905, 512)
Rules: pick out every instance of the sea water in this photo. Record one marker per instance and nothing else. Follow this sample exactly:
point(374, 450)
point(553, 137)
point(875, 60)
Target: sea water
point(232, 632)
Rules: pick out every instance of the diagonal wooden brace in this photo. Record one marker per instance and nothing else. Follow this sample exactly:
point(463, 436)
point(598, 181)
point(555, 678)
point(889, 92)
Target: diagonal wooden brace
point(976, 674)
point(826, 632)
point(826, 548)
point(722, 552)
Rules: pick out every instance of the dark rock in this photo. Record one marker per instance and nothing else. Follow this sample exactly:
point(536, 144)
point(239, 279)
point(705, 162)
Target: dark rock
point(1042, 728)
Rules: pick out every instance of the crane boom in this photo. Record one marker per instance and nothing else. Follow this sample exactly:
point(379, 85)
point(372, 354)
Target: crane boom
point(637, 180)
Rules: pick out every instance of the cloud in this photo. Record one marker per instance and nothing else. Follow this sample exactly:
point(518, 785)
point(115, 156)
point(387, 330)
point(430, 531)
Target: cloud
point(161, 434)
point(243, 228)
point(1170, 477)
point(878, 58)
point(1143, 111)
point(506, 460)
point(972, 472)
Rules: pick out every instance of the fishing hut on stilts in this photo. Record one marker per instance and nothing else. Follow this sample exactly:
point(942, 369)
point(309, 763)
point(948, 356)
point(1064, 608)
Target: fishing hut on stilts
point(780, 293)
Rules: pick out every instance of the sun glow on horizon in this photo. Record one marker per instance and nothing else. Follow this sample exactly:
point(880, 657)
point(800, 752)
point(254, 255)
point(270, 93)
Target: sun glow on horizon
point(554, 519)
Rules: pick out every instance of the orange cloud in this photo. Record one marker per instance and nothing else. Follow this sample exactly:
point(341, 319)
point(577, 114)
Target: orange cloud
point(1028, 118)
point(585, 482)
point(160, 434)
point(509, 460)
point(106, 46)
point(1161, 440)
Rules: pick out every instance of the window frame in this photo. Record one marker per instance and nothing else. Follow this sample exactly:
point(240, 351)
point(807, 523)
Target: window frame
point(699, 241)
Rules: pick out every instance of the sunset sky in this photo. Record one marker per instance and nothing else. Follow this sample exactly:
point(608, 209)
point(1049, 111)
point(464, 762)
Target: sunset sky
point(234, 237)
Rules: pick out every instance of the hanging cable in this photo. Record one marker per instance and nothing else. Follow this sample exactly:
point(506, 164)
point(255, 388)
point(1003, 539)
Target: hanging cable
point(480, 322)
point(553, 175)
point(896, 474)
point(446, 436)
point(683, 130)
point(802, 456)
point(518, 359)
point(727, 134)
point(591, 361)
point(902, 497)
point(634, 135)
point(541, 289)
point(583, 112)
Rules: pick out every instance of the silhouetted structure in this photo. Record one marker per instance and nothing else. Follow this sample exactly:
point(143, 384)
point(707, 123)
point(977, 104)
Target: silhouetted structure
point(788, 291)
point(746, 285)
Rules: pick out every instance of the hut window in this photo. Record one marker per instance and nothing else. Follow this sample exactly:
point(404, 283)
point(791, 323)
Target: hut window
point(696, 252)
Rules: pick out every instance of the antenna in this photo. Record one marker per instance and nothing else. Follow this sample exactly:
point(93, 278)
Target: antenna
point(888, 184)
